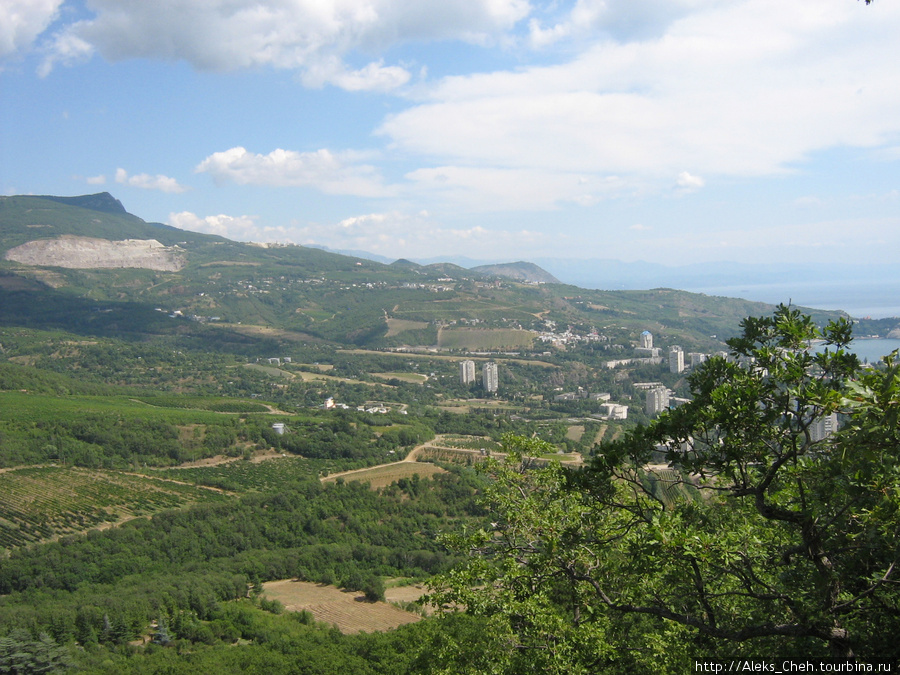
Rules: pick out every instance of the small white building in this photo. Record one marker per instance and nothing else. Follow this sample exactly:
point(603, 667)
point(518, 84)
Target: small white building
point(614, 411)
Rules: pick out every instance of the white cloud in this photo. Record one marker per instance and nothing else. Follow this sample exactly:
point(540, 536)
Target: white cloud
point(21, 21)
point(373, 77)
point(500, 189)
point(742, 88)
point(397, 234)
point(630, 20)
point(96, 180)
point(309, 35)
point(332, 173)
point(147, 182)
point(638, 227)
point(394, 234)
point(687, 182)
point(236, 228)
point(68, 49)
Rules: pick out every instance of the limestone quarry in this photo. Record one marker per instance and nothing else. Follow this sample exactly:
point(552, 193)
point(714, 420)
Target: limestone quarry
point(90, 253)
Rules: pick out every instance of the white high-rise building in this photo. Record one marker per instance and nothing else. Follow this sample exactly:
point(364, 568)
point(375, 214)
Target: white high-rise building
point(676, 359)
point(489, 376)
point(646, 340)
point(657, 401)
point(467, 372)
point(823, 427)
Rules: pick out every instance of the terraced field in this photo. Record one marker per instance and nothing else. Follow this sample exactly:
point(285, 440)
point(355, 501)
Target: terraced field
point(42, 503)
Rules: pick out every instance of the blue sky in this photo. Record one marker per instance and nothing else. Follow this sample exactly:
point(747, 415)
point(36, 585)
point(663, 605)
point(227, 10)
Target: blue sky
point(671, 131)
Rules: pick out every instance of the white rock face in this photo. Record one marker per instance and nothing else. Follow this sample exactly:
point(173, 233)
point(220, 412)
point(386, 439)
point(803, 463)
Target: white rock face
point(90, 253)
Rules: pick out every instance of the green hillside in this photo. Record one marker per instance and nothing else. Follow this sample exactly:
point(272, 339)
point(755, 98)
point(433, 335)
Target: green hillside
point(310, 293)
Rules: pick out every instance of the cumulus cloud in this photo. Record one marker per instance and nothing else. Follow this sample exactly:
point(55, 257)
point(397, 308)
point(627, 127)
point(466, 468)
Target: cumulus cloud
point(624, 21)
point(67, 49)
point(147, 182)
point(687, 182)
point(236, 228)
point(96, 180)
point(502, 189)
point(392, 233)
point(759, 101)
point(373, 77)
point(332, 173)
point(399, 234)
point(21, 21)
point(308, 35)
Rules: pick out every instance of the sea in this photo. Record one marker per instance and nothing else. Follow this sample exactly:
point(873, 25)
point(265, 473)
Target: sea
point(871, 350)
point(860, 299)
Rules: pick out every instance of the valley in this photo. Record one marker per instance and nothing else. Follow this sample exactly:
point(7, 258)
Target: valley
point(186, 447)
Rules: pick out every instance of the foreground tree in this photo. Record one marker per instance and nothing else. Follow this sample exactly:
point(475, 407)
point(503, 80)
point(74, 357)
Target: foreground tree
point(736, 524)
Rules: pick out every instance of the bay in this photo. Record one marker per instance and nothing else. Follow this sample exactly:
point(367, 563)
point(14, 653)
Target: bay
point(860, 299)
point(870, 349)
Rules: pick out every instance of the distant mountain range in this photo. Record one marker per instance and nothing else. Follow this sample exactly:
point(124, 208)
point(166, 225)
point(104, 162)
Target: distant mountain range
point(520, 271)
point(609, 274)
point(85, 264)
point(849, 286)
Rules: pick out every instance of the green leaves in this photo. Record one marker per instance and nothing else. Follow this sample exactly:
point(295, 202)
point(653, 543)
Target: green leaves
point(767, 530)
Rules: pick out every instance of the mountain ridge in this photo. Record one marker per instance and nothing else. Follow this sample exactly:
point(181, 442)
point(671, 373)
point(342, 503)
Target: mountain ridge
point(302, 293)
point(520, 271)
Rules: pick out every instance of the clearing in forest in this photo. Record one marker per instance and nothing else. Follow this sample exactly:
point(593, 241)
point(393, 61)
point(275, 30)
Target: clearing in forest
point(575, 432)
point(348, 610)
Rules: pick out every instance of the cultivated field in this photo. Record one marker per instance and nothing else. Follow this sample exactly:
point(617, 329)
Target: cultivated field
point(397, 326)
point(484, 338)
point(42, 503)
point(267, 472)
point(413, 378)
point(348, 610)
point(385, 474)
point(304, 375)
point(401, 594)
